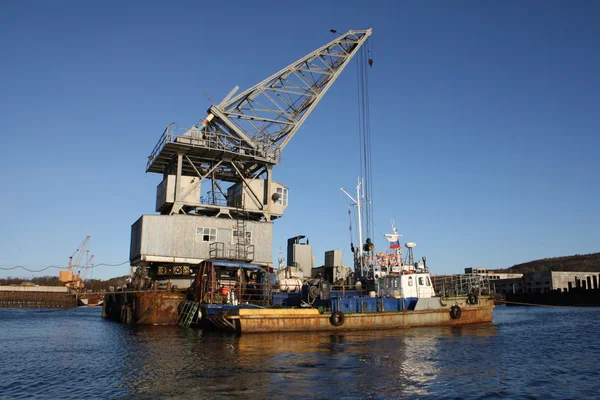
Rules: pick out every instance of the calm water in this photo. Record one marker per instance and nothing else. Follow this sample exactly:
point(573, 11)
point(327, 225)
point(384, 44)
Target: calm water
point(541, 353)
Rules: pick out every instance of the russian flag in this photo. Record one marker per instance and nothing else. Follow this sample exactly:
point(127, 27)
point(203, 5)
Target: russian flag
point(394, 245)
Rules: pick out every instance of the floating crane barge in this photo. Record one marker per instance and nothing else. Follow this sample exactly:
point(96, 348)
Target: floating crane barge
point(206, 258)
point(217, 199)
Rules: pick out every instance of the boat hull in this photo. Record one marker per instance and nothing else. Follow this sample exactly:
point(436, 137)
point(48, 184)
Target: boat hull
point(143, 307)
point(91, 300)
point(310, 320)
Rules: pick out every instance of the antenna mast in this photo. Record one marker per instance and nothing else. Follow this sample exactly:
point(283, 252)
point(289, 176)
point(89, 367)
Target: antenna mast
point(358, 204)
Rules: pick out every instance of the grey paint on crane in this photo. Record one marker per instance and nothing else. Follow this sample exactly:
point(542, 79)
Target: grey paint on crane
point(176, 238)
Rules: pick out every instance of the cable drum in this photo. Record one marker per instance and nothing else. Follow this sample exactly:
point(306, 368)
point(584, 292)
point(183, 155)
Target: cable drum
point(313, 293)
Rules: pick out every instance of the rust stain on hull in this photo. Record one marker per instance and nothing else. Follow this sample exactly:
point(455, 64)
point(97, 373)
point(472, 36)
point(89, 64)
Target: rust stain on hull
point(144, 308)
point(362, 321)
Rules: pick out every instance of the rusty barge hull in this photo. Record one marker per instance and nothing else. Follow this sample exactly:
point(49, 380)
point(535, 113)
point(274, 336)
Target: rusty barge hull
point(20, 299)
point(310, 320)
point(143, 307)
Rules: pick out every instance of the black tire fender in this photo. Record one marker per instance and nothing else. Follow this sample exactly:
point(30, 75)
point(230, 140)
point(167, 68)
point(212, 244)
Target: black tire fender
point(455, 312)
point(472, 299)
point(337, 318)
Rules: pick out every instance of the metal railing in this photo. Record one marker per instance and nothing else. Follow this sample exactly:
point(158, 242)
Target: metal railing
point(460, 285)
point(218, 250)
point(242, 252)
point(165, 138)
point(211, 200)
point(230, 290)
point(210, 140)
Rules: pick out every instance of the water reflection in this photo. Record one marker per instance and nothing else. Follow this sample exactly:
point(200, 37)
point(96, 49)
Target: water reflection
point(395, 362)
point(192, 363)
point(188, 362)
point(94, 358)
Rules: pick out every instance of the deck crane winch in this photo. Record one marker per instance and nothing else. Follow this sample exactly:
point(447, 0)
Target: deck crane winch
point(242, 138)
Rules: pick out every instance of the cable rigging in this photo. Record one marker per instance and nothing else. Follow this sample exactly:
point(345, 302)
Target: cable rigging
point(60, 267)
point(364, 125)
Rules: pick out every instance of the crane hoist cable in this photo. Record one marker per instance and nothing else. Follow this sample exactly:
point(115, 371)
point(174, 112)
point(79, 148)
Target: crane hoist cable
point(364, 128)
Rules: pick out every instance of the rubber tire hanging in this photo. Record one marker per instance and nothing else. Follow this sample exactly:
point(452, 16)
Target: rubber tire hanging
point(473, 299)
point(455, 312)
point(337, 318)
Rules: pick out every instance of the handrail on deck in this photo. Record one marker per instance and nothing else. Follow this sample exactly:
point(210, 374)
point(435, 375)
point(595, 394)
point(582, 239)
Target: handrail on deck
point(234, 252)
point(211, 140)
point(461, 284)
point(164, 139)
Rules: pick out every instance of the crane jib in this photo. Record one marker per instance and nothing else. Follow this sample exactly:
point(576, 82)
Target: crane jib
point(267, 115)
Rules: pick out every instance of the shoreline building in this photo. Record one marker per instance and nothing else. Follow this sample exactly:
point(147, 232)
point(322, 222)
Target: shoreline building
point(546, 281)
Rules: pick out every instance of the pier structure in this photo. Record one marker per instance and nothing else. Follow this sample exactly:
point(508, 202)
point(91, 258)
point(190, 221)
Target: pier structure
point(37, 297)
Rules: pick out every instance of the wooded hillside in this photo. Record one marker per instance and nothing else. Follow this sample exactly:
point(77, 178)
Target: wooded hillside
point(576, 263)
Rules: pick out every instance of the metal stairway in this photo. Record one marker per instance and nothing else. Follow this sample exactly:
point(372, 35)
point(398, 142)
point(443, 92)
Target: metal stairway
point(240, 243)
point(187, 314)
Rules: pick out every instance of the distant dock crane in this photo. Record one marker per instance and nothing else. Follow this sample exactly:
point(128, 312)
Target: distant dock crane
point(73, 280)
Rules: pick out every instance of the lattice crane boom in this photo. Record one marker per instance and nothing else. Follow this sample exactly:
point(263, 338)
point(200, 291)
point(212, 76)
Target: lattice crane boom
point(80, 252)
point(241, 139)
point(266, 116)
point(86, 269)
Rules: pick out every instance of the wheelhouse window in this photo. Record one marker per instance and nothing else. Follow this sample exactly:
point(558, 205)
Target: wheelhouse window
point(283, 196)
point(410, 281)
point(206, 235)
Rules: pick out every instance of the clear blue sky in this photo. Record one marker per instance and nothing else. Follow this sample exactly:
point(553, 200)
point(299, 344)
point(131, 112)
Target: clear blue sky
point(485, 119)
